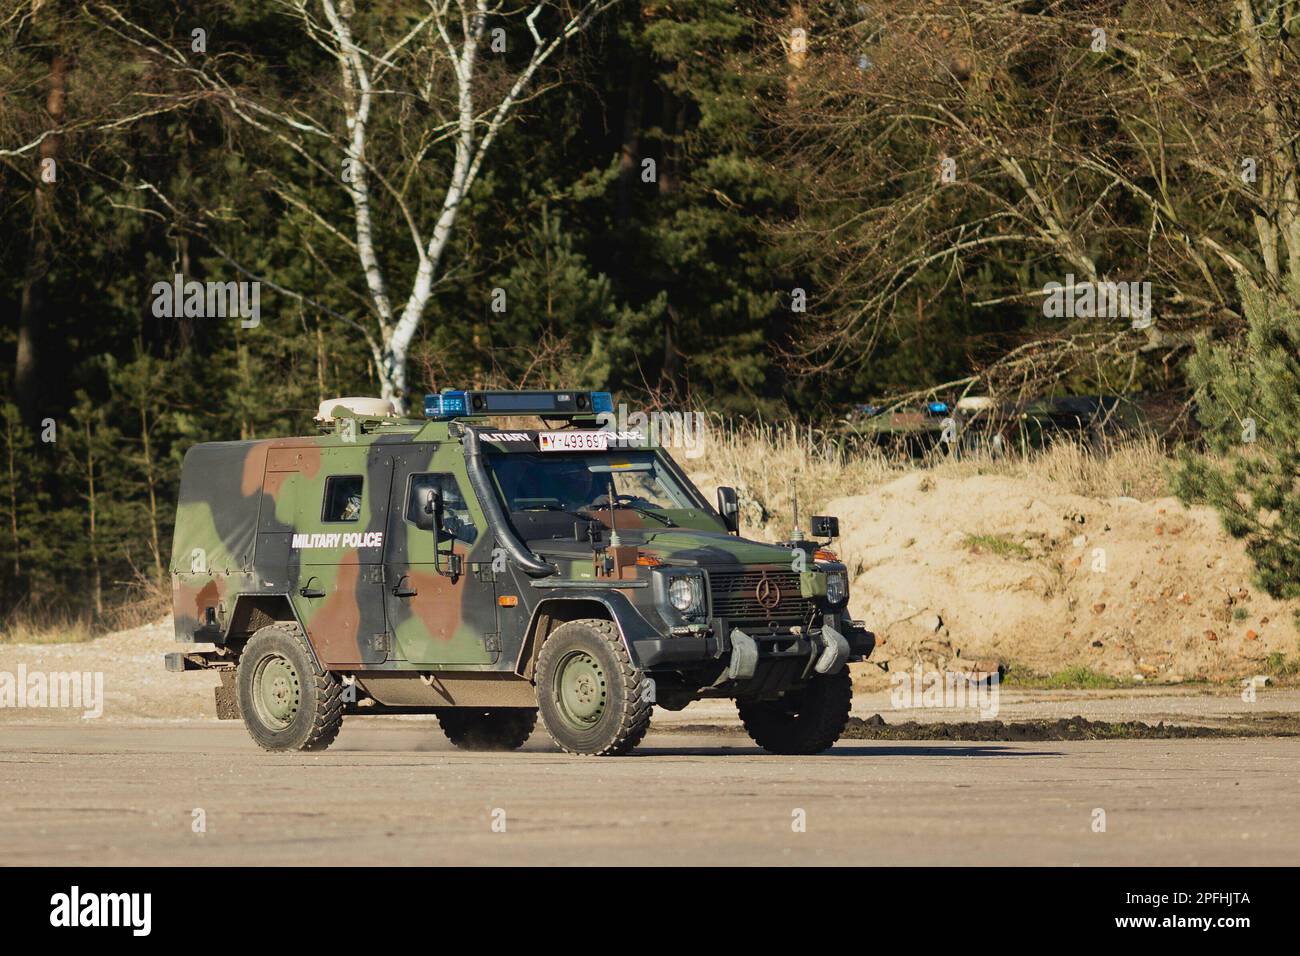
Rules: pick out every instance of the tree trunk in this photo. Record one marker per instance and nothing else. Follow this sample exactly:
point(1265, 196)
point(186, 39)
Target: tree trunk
point(152, 483)
point(10, 439)
point(320, 363)
point(31, 312)
point(628, 171)
point(97, 581)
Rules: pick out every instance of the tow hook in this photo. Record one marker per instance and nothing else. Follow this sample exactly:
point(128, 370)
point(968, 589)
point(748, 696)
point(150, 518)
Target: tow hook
point(835, 651)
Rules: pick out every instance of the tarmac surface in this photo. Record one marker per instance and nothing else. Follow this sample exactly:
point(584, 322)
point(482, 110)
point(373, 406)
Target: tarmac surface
point(393, 791)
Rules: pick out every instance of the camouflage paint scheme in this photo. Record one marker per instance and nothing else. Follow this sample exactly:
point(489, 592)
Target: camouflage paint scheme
point(238, 558)
point(236, 538)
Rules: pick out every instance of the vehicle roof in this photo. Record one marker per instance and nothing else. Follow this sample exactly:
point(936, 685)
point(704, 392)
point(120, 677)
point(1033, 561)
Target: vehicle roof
point(416, 431)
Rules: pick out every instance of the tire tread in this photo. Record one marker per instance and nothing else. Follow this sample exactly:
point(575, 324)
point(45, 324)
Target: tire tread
point(328, 717)
point(811, 732)
point(634, 721)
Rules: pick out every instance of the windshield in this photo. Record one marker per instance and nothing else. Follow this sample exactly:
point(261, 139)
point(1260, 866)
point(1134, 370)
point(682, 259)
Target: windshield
point(579, 485)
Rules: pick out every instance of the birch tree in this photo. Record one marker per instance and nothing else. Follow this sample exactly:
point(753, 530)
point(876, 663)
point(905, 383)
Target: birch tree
point(420, 94)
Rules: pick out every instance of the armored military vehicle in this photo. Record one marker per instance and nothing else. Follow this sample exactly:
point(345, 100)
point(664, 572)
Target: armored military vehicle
point(452, 566)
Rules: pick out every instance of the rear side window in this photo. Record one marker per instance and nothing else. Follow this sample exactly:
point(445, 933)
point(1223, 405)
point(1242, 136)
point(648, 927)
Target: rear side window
point(342, 498)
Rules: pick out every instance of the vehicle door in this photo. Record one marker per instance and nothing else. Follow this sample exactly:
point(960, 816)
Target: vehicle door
point(438, 614)
point(339, 502)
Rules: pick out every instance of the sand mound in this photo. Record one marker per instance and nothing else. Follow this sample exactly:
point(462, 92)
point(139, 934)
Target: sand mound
point(1007, 569)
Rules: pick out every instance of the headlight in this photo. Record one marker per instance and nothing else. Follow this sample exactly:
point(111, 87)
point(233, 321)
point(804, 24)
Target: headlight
point(686, 594)
point(837, 587)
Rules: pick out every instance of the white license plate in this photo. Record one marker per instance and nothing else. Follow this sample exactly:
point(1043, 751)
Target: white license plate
point(573, 441)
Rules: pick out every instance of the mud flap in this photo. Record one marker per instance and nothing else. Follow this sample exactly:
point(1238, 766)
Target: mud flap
point(227, 696)
point(744, 656)
point(835, 652)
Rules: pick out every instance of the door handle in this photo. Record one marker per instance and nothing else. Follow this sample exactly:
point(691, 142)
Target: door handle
point(311, 592)
point(404, 590)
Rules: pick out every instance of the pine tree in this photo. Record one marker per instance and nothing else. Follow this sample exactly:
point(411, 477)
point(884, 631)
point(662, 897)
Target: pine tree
point(29, 542)
point(146, 391)
point(1248, 397)
point(90, 450)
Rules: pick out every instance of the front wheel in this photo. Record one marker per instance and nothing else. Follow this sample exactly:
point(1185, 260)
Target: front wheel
point(804, 722)
point(287, 701)
point(592, 700)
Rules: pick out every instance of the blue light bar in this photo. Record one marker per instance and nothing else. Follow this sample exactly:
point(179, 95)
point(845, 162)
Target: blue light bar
point(461, 403)
point(938, 408)
point(445, 406)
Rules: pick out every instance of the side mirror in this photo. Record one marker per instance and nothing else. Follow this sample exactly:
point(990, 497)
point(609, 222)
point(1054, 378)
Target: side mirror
point(431, 510)
point(825, 526)
point(729, 508)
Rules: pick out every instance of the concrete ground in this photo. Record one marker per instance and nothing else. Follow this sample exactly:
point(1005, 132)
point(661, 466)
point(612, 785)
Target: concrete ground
point(395, 792)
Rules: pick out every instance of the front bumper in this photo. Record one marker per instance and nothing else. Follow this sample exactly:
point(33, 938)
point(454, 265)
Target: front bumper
point(718, 644)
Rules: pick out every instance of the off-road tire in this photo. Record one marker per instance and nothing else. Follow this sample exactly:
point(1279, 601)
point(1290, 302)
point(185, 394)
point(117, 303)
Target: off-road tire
point(806, 722)
point(605, 682)
point(312, 699)
point(501, 728)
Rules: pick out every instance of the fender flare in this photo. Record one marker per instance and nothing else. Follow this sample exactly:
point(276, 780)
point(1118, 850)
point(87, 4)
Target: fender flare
point(250, 596)
point(632, 626)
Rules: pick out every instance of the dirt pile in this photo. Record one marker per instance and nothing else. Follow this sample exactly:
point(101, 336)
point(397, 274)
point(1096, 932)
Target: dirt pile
point(1069, 728)
point(993, 568)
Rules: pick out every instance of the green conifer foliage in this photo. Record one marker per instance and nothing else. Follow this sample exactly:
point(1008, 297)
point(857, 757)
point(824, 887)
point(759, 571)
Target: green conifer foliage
point(1248, 397)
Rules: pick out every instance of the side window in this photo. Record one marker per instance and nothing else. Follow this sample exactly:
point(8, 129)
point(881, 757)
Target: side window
point(342, 498)
point(456, 518)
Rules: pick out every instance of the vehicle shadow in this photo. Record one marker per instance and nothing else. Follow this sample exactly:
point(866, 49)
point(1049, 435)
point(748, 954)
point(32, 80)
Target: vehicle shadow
point(884, 749)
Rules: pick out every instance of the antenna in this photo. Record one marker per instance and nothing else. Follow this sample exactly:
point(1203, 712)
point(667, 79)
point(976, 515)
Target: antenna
point(797, 533)
point(614, 540)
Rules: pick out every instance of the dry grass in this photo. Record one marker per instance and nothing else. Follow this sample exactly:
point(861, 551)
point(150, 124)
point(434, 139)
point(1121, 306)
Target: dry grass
point(1138, 468)
point(27, 627)
point(768, 465)
point(141, 602)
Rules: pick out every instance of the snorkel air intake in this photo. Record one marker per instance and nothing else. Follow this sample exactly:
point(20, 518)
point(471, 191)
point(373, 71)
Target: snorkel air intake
point(530, 563)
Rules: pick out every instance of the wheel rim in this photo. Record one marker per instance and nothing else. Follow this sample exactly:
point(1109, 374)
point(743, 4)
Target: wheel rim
point(580, 690)
point(277, 691)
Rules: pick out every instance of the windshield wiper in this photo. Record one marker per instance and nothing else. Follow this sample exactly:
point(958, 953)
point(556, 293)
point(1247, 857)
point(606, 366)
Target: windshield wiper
point(559, 509)
point(669, 522)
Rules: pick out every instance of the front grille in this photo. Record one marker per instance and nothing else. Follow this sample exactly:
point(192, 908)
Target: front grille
point(735, 597)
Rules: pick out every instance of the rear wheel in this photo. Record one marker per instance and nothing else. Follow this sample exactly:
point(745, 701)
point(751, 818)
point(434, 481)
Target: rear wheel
point(805, 722)
point(592, 700)
point(502, 728)
point(287, 701)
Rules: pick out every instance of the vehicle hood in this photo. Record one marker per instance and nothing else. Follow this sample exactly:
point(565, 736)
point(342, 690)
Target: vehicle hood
point(690, 547)
point(685, 547)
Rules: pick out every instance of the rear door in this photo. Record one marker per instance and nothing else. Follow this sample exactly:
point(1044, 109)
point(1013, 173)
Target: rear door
point(438, 618)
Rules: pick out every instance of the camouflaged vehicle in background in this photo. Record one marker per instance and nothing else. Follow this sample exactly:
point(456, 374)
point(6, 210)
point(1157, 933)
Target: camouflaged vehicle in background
point(444, 565)
point(976, 422)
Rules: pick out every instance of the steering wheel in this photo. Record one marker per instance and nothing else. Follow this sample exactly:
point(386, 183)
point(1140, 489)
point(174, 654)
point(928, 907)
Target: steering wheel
point(621, 498)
